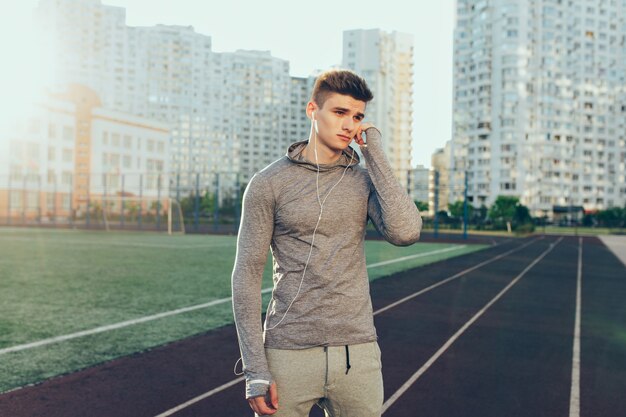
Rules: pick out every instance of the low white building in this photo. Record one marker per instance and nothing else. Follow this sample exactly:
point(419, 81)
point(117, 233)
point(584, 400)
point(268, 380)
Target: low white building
point(69, 153)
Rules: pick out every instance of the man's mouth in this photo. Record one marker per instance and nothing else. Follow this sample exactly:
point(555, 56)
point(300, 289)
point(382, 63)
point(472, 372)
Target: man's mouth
point(344, 137)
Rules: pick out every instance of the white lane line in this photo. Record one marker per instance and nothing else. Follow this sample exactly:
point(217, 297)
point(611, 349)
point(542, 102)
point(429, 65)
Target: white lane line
point(202, 397)
point(144, 319)
point(419, 255)
point(116, 326)
point(574, 398)
point(462, 330)
point(104, 242)
point(233, 382)
point(453, 277)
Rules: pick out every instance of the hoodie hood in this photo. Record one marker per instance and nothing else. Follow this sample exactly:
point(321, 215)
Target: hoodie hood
point(294, 153)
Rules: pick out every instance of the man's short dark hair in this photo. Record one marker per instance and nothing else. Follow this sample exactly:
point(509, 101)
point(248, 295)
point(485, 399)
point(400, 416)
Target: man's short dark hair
point(340, 81)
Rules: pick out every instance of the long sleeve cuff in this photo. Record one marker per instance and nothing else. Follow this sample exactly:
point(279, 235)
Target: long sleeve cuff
point(391, 209)
point(256, 387)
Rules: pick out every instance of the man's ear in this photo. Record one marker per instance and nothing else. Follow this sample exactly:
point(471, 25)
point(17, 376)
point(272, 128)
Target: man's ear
point(311, 109)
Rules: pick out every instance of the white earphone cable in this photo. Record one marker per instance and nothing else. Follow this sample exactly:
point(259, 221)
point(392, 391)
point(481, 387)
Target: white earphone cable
point(319, 218)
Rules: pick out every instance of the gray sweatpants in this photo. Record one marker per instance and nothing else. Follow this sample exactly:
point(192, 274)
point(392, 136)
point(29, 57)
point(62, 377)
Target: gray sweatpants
point(318, 376)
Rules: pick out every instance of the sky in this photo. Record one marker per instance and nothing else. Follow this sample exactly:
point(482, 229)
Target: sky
point(308, 35)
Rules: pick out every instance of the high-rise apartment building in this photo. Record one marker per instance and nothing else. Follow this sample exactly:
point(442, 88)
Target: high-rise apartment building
point(538, 102)
point(174, 68)
point(385, 60)
point(299, 124)
point(88, 44)
point(418, 183)
point(439, 186)
point(229, 113)
point(256, 97)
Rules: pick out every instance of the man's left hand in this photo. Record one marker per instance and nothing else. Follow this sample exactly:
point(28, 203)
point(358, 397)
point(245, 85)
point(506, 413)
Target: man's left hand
point(359, 133)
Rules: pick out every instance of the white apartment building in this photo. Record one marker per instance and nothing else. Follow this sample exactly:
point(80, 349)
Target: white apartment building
point(439, 186)
point(538, 102)
point(228, 113)
point(299, 124)
point(418, 183)
point(178, 85)
point(89, 45)
point(256, 100)
point(70, 151)
point(385, 60)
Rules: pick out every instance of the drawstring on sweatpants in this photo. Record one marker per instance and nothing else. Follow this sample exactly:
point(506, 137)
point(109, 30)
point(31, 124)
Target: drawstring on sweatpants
point(347, 360)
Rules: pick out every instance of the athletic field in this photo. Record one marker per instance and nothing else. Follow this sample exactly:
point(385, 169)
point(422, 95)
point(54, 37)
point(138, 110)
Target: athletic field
point(74, 299)
point(526, 327)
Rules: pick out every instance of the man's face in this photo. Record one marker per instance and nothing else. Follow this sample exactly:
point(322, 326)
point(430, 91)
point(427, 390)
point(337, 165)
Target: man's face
point(337, 120)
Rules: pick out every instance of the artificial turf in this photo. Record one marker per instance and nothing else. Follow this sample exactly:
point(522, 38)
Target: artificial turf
point(56, 283)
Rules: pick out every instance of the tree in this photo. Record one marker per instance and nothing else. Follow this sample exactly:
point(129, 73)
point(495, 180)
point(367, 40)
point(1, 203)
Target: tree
point(589, 220)
point(522, 215)
point(457, 213)
point(479, 216)
point(207, 204)
point(457, 209)
point(508, 209)
point(187, 206)
point(443, 217)
point(132, 208)
point(613, 217)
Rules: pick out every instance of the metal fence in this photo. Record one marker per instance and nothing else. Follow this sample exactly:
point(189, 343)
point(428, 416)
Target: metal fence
point(194, 202)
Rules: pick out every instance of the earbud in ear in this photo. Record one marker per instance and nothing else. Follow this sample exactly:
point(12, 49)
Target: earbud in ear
point(314, 120)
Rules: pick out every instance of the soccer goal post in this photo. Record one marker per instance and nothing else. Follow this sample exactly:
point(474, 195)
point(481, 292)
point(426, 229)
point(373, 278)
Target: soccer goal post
point(175, 220)
point(138, 213)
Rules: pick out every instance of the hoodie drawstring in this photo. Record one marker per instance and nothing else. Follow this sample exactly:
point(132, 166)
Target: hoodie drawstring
point(347, 360)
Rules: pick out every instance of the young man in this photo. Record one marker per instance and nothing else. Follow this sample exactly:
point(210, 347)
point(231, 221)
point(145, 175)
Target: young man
point(311, 207)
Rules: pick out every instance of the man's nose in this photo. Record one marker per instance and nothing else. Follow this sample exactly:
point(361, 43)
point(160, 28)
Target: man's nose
point(348, 123)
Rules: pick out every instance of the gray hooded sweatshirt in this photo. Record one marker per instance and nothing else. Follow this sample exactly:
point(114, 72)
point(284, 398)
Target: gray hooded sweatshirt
point(280, 211)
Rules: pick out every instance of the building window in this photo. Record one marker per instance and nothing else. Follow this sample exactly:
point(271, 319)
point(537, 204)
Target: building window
point(52, 131)
point(50, 201)
point(67, 155)
point(32, 199)
point(68, 133)
point(114, 160)
point(128, 142)
point(66, 178)
point(66, 202)
point(35, 126)
point(16, 200)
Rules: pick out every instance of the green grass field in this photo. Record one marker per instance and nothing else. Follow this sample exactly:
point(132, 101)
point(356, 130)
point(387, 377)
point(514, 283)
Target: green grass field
point(580, 231)
point(55, 283)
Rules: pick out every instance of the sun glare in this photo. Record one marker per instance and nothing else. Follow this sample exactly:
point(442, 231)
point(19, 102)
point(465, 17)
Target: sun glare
point(28, 68)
